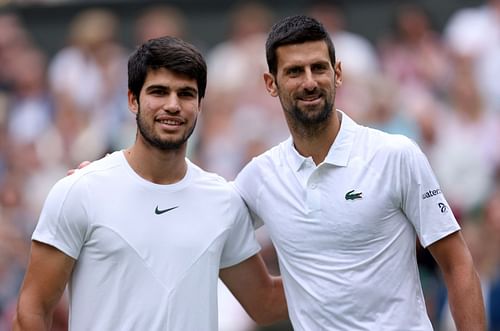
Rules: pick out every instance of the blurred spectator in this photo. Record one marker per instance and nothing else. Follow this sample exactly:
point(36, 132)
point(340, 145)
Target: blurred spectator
point(30, 109)
point(465, 155)
point(387, 111)
point(240, 119)
point(239, 61)
point(159, 20)
point(414, 58)
point(13, 40)
point(14, 243)
point(413, 55)
point(89, 86)
point(474, 34)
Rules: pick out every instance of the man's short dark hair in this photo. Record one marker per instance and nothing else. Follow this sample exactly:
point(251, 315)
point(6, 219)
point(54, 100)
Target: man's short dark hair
point(295, 30)
point(169, 53)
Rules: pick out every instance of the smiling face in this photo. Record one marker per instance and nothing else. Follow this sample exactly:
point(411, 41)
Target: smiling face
point(305, 83)
point(167, 109)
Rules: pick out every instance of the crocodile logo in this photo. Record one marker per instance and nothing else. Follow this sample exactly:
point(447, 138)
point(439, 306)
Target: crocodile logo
point(351, 195)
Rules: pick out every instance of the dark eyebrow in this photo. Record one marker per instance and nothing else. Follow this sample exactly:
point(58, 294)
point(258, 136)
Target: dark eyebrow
point(156, 87)
point(323, 63)
point(292, 68)
point(164, 88)
point(188, 89)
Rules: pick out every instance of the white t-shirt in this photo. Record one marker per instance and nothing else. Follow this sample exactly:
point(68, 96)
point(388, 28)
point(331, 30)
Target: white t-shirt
point(345, 231)
point(148, 255)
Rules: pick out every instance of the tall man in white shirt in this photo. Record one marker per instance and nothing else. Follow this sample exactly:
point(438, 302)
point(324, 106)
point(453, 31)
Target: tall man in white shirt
point(344, 204)
point(142, 235)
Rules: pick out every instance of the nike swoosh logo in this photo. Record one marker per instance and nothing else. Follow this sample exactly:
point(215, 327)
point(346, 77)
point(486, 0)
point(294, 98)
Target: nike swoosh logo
point(159, 211)
point(352, 196)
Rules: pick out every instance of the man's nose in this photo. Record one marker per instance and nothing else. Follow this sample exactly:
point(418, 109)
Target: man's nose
point(172, 104)
point(310, 82)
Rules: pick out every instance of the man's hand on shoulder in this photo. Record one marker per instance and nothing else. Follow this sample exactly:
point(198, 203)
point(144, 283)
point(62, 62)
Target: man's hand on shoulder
point(80, 166)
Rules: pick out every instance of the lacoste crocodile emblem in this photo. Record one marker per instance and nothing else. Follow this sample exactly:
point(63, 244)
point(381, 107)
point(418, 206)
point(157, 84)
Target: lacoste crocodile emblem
point(351, 195)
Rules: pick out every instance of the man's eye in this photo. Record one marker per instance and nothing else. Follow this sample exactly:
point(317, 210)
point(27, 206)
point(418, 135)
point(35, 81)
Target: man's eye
point(319, 68)
point(158, 92)
point(187, 94)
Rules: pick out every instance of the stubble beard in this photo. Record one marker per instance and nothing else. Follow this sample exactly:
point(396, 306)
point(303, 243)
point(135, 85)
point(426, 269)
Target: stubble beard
point(309, 122)
point(148, 134)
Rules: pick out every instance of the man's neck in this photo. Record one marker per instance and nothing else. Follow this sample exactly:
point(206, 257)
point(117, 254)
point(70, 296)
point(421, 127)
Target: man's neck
point(317, 143)
point(157, 166)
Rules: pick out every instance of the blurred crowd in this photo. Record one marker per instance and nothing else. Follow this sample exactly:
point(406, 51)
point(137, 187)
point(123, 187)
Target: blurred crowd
point(437, 86)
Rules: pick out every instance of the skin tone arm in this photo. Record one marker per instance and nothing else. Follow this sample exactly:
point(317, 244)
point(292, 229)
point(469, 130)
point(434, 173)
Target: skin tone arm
point(464, 289)
point(46, 277)
point(260, 294)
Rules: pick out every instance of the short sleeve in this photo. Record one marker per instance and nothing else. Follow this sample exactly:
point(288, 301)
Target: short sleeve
point(241, 242)
point(63, 221)
point(423, 201)
point(247, 187)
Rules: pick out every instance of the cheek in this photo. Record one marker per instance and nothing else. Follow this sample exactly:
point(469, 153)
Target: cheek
point(152, 103)
point(191, 109)
point(287, 90)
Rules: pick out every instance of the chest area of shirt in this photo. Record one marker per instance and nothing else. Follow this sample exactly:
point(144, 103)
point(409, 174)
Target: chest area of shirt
point(155, 224)
point(335, 206)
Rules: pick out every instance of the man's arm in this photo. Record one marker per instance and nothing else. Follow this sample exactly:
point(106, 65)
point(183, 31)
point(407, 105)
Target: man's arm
point(260, 294)
point(464, 289)
point(46, 277)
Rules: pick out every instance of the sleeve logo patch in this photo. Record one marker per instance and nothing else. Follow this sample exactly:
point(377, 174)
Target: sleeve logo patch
point(431, 193)
point(443, 207)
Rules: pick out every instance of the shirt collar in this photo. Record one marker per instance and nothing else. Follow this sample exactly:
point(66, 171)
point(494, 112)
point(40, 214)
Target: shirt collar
point(339, 151)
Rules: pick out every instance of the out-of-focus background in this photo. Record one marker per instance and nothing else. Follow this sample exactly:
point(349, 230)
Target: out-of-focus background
point(426, 69)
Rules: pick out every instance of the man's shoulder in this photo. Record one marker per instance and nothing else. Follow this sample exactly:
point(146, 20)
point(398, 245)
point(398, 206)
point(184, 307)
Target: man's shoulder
point(212, 182)
point(201, 175)
point(273, 156)
point(96, 171)
point(261, 169)
point(383, 141)
point(381, 148)
point(112, 160)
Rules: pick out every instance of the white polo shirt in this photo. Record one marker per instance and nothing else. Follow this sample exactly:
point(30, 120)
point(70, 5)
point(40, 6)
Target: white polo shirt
point(345, 230)
point(147, 255)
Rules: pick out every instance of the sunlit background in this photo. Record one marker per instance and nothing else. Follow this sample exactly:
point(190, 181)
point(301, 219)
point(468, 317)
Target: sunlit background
point(426, 69)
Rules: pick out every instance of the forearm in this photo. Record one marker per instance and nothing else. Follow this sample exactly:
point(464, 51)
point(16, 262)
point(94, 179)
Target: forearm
point(274, 308)
point(30, 319)
point(466, 300)
point(260, 294)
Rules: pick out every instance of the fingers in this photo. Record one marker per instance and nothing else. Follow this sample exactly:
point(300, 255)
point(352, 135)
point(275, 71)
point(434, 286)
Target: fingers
point(83, 164)
point(80, 166)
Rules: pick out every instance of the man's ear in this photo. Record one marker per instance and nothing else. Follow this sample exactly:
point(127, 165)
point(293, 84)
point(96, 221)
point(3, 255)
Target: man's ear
point(338, 73)
point(271, 86)
point(133, 104)
point(200, 105)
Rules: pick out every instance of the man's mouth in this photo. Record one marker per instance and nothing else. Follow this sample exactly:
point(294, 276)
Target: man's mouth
point(170, 122)
point(310, 99)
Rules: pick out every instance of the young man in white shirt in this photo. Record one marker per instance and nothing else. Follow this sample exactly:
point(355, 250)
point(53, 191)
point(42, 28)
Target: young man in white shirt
point(344, 204)
point(142, 235)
